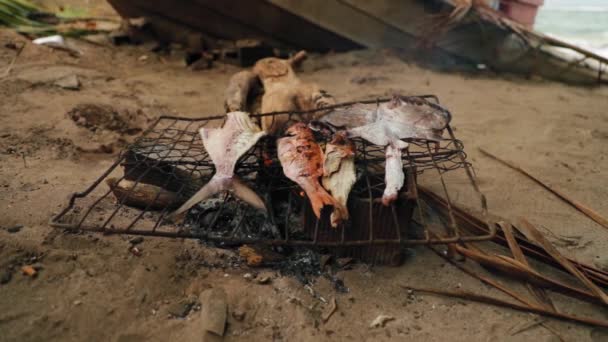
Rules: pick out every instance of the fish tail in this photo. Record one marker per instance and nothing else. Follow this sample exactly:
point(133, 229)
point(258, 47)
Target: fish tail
point(242, 191)
point(214, 186)
point(339, 215)
point(319, 198)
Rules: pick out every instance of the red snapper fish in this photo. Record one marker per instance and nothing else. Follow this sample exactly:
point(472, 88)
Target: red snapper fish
point(302, 161)
point(225, 146)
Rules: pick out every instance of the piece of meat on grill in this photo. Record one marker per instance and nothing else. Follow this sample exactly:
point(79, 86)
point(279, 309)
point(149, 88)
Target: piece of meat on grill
point(284, 91)
point(302, 161)
point(339, 174)
point(389, 124)
point(225, 146)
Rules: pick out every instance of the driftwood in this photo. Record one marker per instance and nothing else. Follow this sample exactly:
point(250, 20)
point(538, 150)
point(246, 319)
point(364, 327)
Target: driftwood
point(142, 195)
point(498, 302)
point(163, 170)
point(214, 313)
point(592, 214)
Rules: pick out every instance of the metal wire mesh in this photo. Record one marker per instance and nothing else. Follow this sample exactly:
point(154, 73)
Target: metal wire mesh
point(171, 158)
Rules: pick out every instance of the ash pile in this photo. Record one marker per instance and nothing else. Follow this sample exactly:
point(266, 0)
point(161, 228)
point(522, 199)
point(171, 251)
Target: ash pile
point(306, 172)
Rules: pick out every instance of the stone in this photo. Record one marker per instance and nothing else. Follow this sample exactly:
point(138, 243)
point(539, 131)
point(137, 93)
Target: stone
point(70, 82)
point(380, 321)
point(214, 311)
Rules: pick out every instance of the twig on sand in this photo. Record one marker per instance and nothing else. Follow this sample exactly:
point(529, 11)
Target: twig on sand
point(592, 214)
point(519, 307)
point(8, 69)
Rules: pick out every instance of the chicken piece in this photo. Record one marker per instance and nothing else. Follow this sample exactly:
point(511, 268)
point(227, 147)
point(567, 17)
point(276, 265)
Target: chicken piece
point(284, 91)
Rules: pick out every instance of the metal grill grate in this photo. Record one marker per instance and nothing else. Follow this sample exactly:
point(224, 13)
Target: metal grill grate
point(170, 156)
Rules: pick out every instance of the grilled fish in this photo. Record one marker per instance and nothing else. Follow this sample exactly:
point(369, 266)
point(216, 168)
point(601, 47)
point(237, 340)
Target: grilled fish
point(225, 146)
point(339, 174)
point(403, 118)
point(387, 124)
point(302, 161)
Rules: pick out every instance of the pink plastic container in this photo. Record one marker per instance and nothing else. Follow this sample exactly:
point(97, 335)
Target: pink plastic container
point(522, 11)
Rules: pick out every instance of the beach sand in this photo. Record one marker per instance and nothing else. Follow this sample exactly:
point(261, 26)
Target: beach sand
point(91, 287)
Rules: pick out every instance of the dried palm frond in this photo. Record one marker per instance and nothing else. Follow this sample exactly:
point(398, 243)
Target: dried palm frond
point(21, 16)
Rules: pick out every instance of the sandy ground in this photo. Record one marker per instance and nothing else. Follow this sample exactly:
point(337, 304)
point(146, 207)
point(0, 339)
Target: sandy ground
point(90, 287)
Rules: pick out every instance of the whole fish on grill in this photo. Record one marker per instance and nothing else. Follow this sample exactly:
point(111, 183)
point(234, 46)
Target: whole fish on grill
point(225, 146)
point(400, 118)
point(339, 174)
point(387, 124)
point(302, 161)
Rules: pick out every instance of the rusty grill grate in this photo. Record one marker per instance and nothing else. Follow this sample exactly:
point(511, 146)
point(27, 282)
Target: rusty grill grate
point(170, 155)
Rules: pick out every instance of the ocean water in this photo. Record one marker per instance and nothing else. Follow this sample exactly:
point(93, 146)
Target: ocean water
point(580, 22)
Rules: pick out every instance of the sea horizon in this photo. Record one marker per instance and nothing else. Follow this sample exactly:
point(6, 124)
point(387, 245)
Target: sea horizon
point(583, 23)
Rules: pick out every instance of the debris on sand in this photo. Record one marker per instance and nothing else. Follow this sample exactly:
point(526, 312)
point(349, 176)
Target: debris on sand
point(14, 229)
point(29, 270)
point(256, 256)
point(135, 251)
point(136, 240)
point(239, 314)
point(182, 308)
point(250, 255)
point(380, 321)
point(263, 279)
point(97, 117)
point(333, 306)
point(214, 311)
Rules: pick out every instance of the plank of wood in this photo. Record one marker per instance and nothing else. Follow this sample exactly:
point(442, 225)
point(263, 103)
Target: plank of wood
point(349, 22)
